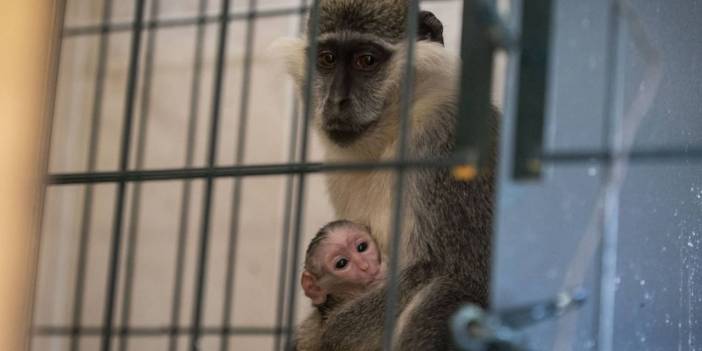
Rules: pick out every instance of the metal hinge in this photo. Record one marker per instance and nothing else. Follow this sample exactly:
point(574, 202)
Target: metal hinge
point(477, 330)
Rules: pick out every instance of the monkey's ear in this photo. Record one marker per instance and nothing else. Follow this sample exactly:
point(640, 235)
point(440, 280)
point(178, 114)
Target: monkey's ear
point(291, 52)
point(316, 293)
point(430, 28)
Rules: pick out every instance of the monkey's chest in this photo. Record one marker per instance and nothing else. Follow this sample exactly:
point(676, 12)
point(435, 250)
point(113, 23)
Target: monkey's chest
point(366, 197)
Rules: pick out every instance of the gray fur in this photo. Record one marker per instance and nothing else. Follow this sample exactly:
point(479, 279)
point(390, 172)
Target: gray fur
point(450, 249)
point(385, 18)
point(308, 335)
point(446, 246)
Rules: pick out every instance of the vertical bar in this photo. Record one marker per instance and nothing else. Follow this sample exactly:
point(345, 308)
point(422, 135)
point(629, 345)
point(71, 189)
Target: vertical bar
point(531, 99)
point(287, 213)
point(312, 34)
point(27, 31)
point(473, 141)
point(285, 246)
point(236, 192)
point(187, 185)
point(125, 147)
point(93, 143)
point(209, 185)
point(612, 180)
point(45, 139)
point(399, 204)
point(136, 194)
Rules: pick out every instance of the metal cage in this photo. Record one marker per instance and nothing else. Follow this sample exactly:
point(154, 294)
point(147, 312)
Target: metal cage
point(527, 36)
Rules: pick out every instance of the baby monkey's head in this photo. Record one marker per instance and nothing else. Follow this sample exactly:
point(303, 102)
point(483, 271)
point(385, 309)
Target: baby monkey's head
point(342, 261)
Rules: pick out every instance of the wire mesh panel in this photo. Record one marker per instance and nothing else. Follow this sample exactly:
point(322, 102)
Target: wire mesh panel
point(168, 85)
point(184, 178)
point(180, 192)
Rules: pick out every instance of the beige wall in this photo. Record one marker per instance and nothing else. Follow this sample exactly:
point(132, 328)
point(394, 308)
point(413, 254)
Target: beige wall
point(259, 244)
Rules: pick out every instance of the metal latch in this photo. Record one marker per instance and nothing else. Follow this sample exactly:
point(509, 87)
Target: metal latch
point(477, 330)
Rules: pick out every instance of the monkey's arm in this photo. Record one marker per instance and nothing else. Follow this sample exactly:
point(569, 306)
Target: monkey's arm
point(309, 333)
point(357, 326)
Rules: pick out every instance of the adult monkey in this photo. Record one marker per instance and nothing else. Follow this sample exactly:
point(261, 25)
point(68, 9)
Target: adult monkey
point(356, 93)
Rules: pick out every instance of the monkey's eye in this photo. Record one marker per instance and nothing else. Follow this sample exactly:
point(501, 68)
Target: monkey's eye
point(326, 59)
point(341, 263)
point(362, 247)
point(365, 62)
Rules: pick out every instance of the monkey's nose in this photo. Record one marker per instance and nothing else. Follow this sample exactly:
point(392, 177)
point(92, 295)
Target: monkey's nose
point(342, 104)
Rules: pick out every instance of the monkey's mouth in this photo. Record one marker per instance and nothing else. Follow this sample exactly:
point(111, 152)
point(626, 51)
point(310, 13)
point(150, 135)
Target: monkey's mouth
point(377, 280)
point(345, 133)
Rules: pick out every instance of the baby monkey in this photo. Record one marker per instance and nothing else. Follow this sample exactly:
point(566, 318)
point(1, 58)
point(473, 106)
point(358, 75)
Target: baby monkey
point(342, 261)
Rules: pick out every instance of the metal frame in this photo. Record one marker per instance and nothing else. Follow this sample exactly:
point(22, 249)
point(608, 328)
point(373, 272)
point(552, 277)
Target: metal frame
point(295, 171)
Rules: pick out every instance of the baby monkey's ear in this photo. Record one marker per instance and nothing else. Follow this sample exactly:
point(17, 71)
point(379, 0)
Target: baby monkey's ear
point(312, 289)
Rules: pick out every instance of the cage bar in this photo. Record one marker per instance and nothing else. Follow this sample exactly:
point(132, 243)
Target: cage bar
point(132, 78)
point(150, 331)
point(184, 21)
point(392, 292)
point(278, 341)
point(88, 196)
point(179, 263)
point(308, 107)
point(532, 87)
point(236, 191)
point(473, 137)
point(134, 216)
point(677, 154)
point(203, 251)
point(612, 179)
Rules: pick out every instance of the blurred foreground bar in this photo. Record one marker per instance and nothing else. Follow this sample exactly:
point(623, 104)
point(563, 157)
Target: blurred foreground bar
point(474, 138)
point(532, 88)
point(27, 71)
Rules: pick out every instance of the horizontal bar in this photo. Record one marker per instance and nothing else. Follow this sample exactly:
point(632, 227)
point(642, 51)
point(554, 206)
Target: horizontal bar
point(191, 20)
point(182, 21)
point(233, 171)
point(661, 154)
point(155, 331)
point(304, 168)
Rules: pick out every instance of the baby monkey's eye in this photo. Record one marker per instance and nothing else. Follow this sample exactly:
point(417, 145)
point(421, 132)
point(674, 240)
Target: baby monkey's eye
point(362, 246)
point(341, 263)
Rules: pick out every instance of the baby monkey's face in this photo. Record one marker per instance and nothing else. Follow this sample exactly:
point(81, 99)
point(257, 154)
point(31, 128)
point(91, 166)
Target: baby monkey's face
point(352, 257)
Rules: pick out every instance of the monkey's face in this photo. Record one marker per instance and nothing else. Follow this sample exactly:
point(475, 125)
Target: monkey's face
point(351, 258)
point(349, 86)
